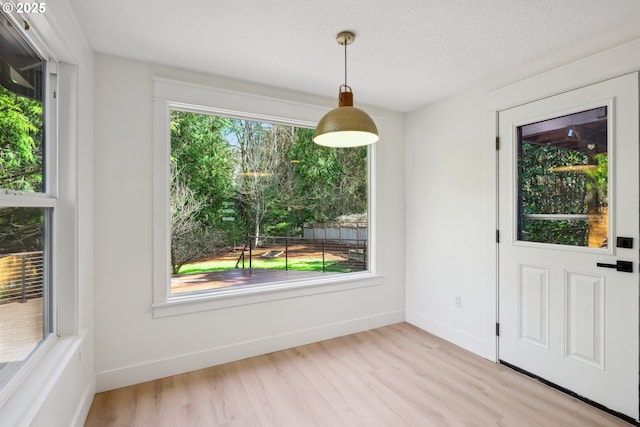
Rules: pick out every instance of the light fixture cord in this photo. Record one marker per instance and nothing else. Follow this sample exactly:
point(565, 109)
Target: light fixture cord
point(345, 63)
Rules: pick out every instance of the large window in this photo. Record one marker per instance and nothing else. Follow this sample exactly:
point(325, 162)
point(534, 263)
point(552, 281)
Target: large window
point(256, 202)
point(247, 208)
point(27, 202)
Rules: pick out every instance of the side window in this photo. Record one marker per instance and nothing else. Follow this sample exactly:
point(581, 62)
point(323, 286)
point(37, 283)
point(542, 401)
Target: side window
point(254, 202)
point(27, 202)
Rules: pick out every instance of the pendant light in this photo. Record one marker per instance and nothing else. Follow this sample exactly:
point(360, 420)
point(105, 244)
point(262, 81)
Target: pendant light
point(345, 126)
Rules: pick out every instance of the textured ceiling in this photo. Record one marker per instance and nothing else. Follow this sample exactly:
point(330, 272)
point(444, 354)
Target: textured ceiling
point(407, 53)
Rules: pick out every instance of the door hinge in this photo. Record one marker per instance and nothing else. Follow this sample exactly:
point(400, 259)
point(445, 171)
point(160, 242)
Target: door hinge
point(497, 143)
point(497, 236)
point(497, 329)
point(55, 95)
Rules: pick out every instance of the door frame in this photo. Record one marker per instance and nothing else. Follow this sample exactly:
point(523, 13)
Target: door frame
point(544, 85)
point(581, 73)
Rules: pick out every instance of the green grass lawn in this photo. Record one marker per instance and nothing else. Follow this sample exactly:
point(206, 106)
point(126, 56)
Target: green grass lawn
point(277, 264)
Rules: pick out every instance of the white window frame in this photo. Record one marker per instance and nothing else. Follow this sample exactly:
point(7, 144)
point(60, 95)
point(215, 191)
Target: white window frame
point(47, 199)
point(175, 95)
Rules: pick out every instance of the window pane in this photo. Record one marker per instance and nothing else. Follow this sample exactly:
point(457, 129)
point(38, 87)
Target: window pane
point(255, 202)
point(23, 272)
point(563, 180)
point(21, 112)
point(24, 252)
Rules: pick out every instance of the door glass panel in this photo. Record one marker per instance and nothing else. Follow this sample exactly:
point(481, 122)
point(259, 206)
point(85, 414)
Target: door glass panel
point(563, 180)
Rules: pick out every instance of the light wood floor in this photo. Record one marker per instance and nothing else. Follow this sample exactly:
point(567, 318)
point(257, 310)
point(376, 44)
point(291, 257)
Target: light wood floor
point(393, 376)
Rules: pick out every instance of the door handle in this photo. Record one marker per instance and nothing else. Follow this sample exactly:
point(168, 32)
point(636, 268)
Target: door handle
point(624, 266)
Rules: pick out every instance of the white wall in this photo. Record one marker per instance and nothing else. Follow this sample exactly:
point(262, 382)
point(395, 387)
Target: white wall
point(447, 207)
point(130, 345)
point(58, 391)
point(450, 182)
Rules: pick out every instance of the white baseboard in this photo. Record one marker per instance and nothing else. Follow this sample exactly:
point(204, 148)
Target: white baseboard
point(84, 405)
point(160, 368)
point(460, 338)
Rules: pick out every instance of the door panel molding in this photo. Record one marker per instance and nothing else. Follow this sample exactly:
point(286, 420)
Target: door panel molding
point(533, 304)
point(584, 318)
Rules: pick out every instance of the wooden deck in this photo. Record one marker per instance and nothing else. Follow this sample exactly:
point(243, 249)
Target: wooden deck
point(20, 332)
point(240, 277)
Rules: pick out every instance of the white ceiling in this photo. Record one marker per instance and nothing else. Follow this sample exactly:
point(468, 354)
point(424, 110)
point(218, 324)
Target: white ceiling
point(407, 53)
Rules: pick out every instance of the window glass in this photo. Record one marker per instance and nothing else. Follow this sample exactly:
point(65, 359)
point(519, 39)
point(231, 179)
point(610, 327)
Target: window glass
point(563, 180)
point(22, 284)
point(25, 218)
point(21, 112)
point(255, 202)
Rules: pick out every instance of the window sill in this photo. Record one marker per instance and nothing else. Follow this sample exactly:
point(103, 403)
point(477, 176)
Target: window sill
point(30, 389)
point(194, 302)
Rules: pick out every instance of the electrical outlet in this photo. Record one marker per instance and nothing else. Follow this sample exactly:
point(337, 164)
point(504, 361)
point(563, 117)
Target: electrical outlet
point(458, 301)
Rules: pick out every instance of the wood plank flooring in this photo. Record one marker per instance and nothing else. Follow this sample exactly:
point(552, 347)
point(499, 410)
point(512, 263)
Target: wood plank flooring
point(393, 376)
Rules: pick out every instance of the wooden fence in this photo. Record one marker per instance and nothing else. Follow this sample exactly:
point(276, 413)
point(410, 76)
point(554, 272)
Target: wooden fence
point(343, 232)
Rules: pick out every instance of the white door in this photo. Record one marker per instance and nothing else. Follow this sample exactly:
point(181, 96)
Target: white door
point(568, 213)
